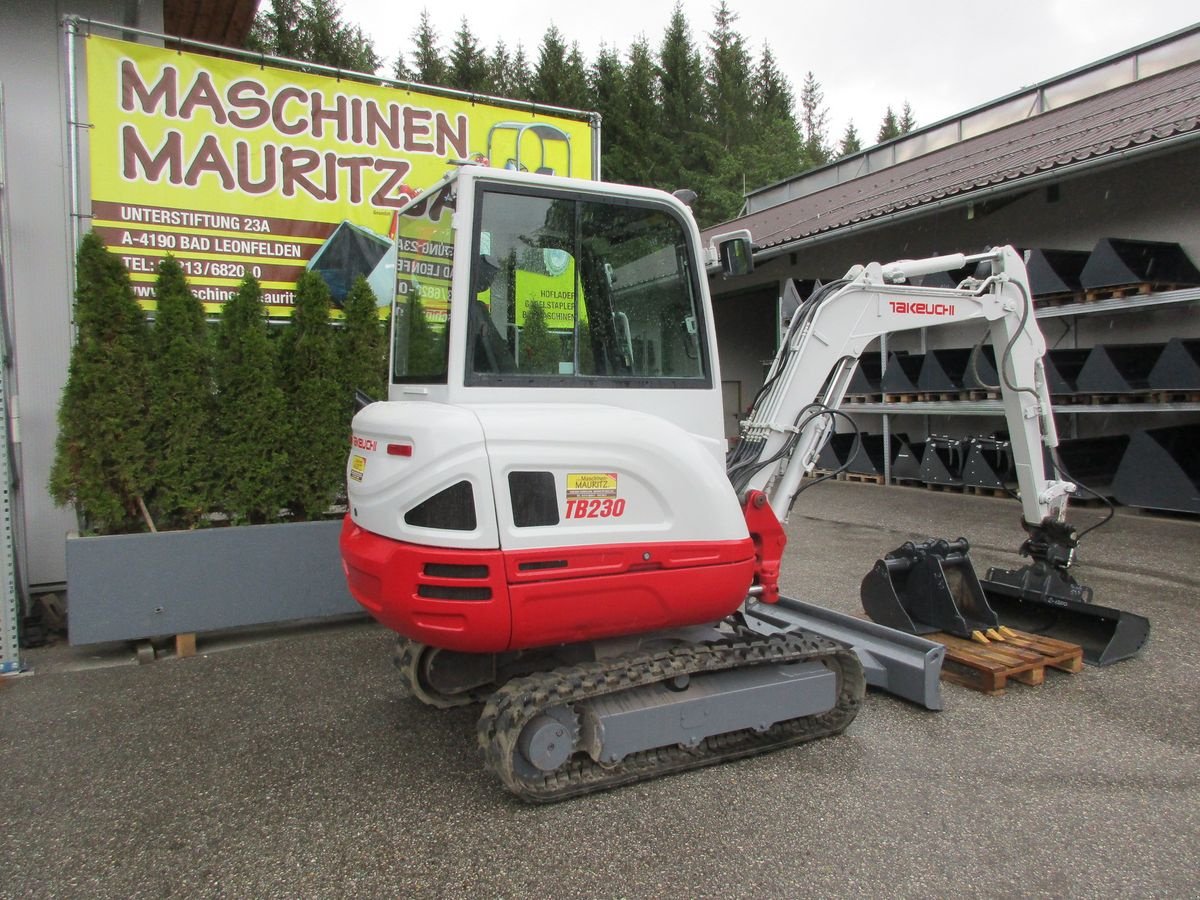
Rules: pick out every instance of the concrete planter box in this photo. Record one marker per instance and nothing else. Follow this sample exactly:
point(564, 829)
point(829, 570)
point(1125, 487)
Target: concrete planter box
point(130, 586)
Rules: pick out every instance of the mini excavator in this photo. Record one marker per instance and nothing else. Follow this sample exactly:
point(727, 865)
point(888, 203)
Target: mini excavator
point(546, 513)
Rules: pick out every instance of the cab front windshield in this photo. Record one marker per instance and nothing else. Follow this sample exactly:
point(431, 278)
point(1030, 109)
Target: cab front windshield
point(572, 291)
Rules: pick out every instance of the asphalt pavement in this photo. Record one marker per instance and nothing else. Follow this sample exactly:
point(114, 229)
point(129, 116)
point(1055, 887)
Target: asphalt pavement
point(286, 764)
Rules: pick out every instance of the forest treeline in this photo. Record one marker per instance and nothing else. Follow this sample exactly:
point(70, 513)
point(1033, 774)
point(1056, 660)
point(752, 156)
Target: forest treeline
point(718, 117)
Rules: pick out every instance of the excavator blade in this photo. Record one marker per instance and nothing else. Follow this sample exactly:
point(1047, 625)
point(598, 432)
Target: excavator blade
point(1043, 601)
point(897, 662)
point(928, 587)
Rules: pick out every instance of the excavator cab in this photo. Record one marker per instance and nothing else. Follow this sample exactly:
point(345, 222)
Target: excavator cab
point(555, 421)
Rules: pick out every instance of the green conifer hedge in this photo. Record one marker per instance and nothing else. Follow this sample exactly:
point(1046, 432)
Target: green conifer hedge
point(318, 420)
point(251, 452)
point(101, 462)
point(168, 425)
point(364, 344)
point(182, 422)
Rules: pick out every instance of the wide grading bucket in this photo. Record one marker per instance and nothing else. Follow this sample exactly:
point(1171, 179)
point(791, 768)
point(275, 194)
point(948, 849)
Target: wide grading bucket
point(1042, 601)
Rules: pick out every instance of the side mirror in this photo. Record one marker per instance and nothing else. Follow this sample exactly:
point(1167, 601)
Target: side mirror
point(737, 257)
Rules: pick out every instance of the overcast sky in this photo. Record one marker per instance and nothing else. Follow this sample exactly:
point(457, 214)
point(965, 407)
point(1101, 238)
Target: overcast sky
point(942, 56)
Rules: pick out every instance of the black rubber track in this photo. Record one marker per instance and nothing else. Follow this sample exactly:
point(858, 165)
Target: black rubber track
point(514, 705)
point(406, 656)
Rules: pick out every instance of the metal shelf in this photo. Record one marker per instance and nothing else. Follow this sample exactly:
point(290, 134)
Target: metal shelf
point(996, 408)
point(1119, 304)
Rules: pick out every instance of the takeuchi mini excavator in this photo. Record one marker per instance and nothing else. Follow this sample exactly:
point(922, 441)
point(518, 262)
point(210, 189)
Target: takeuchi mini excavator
point(545, 512)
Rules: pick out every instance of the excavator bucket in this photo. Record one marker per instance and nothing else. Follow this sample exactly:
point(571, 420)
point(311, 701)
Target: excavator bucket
point(928, 587)
point(1042, 600)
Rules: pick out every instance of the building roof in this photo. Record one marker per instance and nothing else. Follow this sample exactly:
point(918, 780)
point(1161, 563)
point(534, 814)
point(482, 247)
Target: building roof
point(224, 22)
point(1146, 112)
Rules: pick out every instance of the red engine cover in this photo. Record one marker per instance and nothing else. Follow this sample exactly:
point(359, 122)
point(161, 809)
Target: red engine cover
point(487, 601)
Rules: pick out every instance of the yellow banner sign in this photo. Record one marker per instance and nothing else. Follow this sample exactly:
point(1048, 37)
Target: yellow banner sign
point(237, 168)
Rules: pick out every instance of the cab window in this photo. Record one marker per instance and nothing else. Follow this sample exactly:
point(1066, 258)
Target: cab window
point(421, 311)
point(572, 292)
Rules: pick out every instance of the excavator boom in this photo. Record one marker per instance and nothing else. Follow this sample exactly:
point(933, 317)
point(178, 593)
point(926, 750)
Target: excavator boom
point(932, 586)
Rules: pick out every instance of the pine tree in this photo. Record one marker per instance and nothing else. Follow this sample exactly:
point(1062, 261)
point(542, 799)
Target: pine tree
point(575, 90)
point(100, 460)
point(499, 70)
point(333, 42)
point(274, 30)
point(890, 127)
point(428, 66)
point(317, 415)
point(814, 121)
point(540, 349)
point(468, 69)
point(850, 143)
point(181, 414)
point(550, 76)
point(729, 111)
point(313, 31)
point(907, 121)
point(400, 69)
point(606, 84)
point(363, 345)
point(251, 459)
point(729, 82)
point(778, 150)
point(688, 148)
point(638, 153)
point(520, 79)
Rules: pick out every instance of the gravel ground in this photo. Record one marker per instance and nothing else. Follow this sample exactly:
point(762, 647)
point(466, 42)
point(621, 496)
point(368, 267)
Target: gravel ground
point(287, 765)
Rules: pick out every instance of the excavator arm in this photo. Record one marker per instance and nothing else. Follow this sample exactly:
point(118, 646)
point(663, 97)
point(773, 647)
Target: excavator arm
point(793, 417)
point(929, 587)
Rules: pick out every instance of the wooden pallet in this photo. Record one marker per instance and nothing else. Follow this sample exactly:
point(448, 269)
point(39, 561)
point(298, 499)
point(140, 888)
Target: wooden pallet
point(1023, 658)
point(860, 477)
point(1059, 299)
point(1180, 396)
point(1129, 290)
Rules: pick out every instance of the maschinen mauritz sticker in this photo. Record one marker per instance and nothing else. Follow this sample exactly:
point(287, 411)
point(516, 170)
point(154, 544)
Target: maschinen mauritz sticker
point(589, 485)
point(358, 465)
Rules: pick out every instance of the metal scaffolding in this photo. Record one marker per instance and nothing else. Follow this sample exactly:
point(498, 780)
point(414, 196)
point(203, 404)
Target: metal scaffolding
point(10, 611)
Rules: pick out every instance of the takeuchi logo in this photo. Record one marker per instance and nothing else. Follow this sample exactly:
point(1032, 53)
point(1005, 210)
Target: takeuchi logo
point(921, 308)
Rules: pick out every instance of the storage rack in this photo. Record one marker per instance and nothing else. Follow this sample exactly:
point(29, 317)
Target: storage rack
point(1130, 303)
